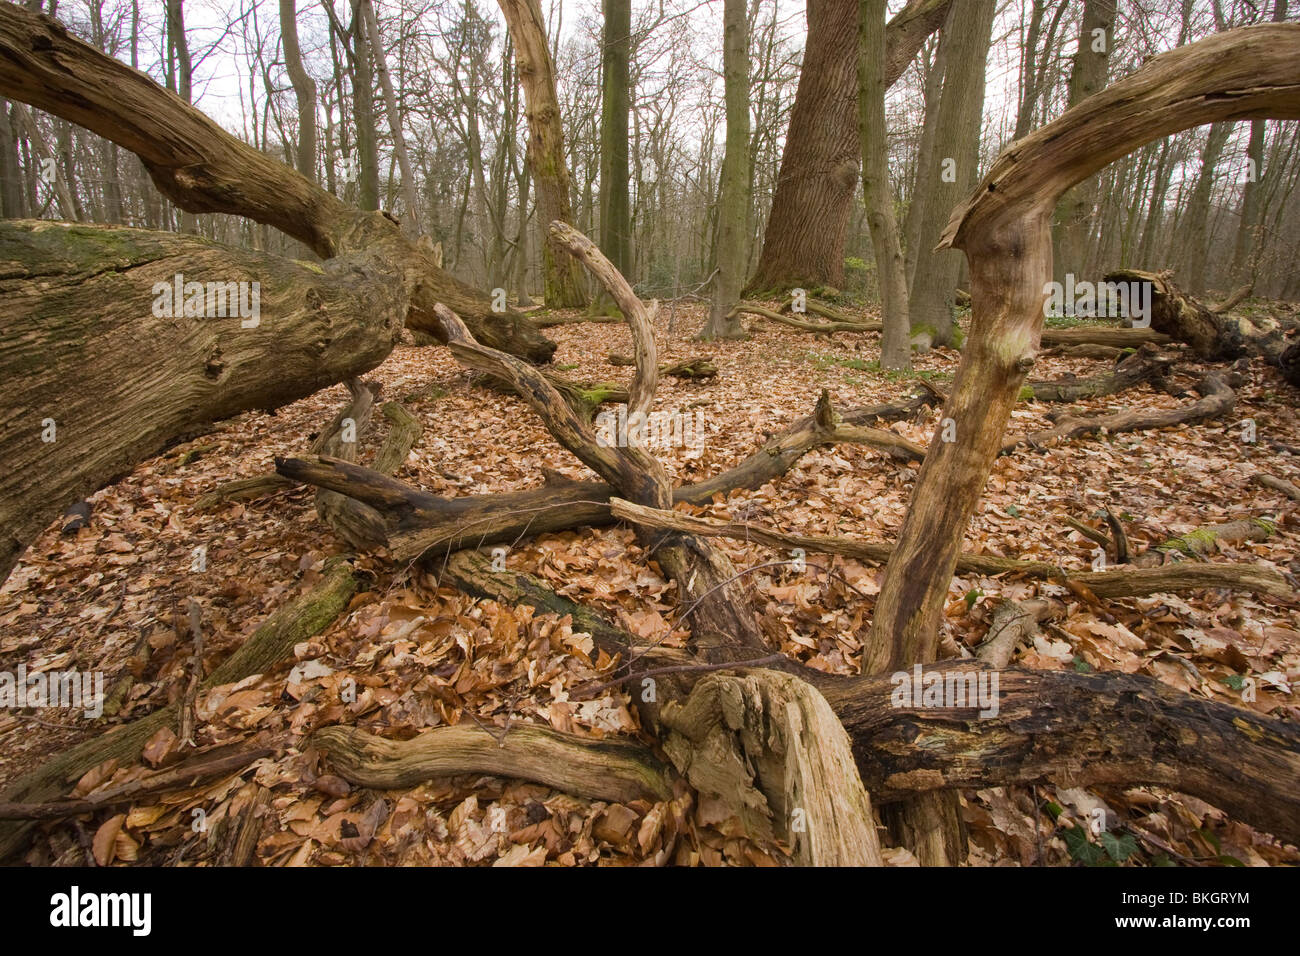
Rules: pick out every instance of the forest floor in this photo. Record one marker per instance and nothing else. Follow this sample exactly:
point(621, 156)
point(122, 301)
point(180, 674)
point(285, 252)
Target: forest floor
point(107, 598)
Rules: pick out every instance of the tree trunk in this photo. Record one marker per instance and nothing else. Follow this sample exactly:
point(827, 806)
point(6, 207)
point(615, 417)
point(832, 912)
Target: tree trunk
point(733, 203)
point(615, 210)
point(304, 90)
point(100, 372)
point(562, 277)
point(366, 167)
point(1193, 231)
point(11, 193)
point(896, 343)
point(952, 171)
point(1073, 223)
point(804, 241)
point(411, 222)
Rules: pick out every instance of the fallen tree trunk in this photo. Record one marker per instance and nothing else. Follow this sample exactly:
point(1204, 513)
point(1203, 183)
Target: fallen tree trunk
point(1217, 400)
point(821, 328)
point(1076, 730)
point(96, 378)
point(610, 769)
point(1212, 337)
point(1140, 367)
point(313, 326)
point(1104, 336)
point(1210, 333)
point(1111, 583)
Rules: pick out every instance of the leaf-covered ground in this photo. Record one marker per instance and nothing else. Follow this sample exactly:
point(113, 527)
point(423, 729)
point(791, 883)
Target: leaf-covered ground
point(108, 596)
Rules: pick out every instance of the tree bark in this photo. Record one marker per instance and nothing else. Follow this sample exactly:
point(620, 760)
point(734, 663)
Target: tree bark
point(563, 283)
point(953, 168)
point(733, 203)
point(803, 245)
point(304, 91)
point(896, 343)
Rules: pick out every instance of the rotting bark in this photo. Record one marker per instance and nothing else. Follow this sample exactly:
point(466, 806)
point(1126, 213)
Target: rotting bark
point(611, 769)
point(1217, 400)
point(1138, 368)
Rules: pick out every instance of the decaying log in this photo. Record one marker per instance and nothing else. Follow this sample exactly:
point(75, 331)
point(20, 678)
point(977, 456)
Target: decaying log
point(821, 328)
point(242, 848)
point(1064, 727)
point(768, 747)
point(1217, 400)
point(305, 616)
point(1137, 368)
point(1211, 336)
point(608, 769)
point(94, 381)
point(1005, 230)
point(1077, 730)
point(700, 366)
point(1111, 583)
point(97, 375)
point(1102, 335)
